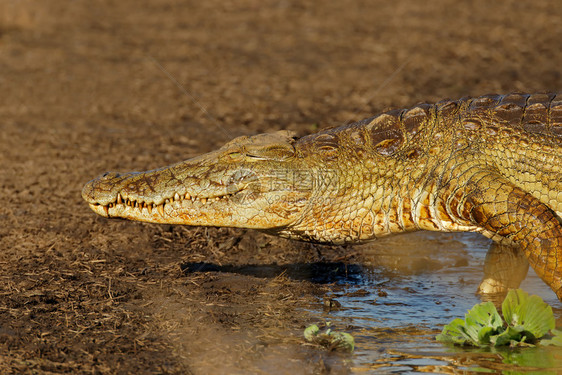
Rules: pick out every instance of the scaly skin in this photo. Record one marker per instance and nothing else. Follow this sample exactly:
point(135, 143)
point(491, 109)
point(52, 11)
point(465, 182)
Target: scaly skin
point(491, 164)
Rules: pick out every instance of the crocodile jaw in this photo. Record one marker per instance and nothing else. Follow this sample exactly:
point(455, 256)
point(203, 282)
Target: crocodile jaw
point(203, 191)
point(220, 211)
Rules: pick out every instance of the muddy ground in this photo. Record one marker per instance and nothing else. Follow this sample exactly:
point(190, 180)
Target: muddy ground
point(87, 87)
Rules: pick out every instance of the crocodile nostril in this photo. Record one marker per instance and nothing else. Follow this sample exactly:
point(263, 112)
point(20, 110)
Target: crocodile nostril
point(110, 175)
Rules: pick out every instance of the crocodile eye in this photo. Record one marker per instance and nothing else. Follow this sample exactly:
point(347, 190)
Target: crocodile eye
point(274, 152)
point(231, 156)
point(273, 146)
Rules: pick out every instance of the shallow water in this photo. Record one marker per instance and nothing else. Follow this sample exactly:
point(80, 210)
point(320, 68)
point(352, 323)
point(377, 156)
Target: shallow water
point(394, 310)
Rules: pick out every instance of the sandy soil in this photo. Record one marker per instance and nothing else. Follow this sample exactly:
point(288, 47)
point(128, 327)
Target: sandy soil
point(87, 87)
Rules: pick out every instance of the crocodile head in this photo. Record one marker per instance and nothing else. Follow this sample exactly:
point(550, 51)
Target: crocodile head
point(247, 183)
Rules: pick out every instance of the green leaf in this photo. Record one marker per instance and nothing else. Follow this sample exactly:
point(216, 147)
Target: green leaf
point(555, 340)
point(530, 312)
point(484, 335)
point(311, 331)
point(329, 338)
point(481, 322)
point(343, 340)
point(507, 337)
point(528, 318)
point(484, 314)
point(453, 333)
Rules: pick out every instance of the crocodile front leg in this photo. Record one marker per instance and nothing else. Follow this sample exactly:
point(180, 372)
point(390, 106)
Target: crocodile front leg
point(507, 214)
point(505, 267)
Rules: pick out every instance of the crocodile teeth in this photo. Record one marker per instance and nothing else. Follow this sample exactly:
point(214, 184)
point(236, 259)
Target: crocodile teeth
point(150, 206)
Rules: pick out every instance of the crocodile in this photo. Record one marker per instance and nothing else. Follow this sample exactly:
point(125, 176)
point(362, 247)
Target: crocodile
point(490, 164)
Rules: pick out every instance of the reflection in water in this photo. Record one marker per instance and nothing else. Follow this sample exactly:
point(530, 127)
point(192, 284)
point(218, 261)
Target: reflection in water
point(414, 285)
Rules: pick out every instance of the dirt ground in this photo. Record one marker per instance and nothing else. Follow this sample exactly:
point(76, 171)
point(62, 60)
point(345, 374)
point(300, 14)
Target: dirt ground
point(87, 87)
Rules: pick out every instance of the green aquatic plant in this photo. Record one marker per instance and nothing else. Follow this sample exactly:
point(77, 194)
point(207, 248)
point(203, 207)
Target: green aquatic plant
point(328, 338)
point(526, 320)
